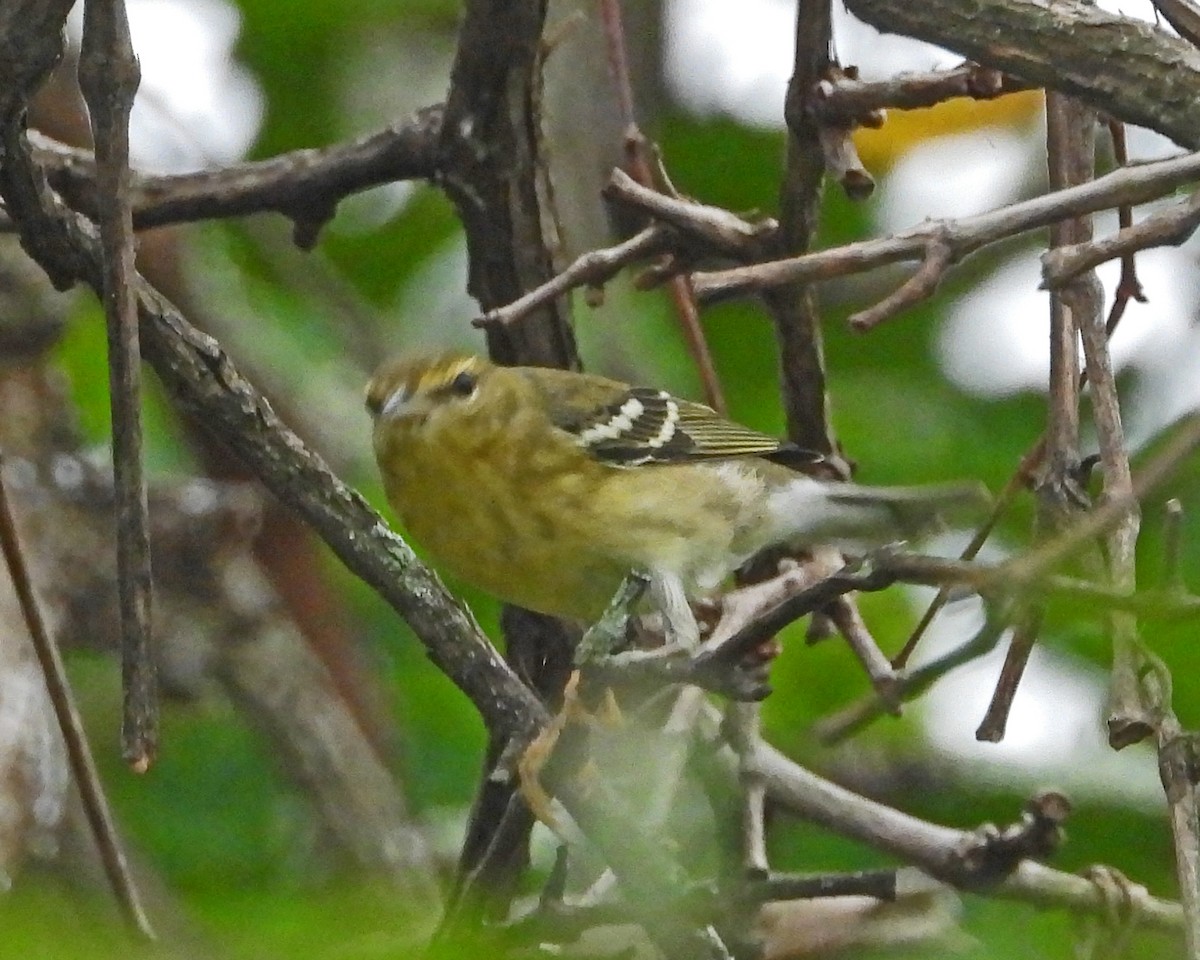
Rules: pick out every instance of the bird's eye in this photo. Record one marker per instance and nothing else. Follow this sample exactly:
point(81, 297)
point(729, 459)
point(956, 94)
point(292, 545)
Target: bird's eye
point(463, 384)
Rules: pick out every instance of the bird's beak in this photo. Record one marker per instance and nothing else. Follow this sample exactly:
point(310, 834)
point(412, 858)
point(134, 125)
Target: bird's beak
point(395, 405)
point(402, 404)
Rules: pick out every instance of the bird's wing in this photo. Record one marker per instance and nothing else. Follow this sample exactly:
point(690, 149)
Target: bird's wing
point(641, 425)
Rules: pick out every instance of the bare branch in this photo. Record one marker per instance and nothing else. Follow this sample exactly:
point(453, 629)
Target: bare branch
point(844, 98)
point(304, 185)
point(1149, 77)
point(1179, 772)
point(1183, 15)
point(1126, 186)
point(208, 386)
point(592, 269)
point(794, 310)
point(995, 720)
point(1169, 227)
point(920, 286)
point(945, 853)
point(637, 163)
point(708, 231)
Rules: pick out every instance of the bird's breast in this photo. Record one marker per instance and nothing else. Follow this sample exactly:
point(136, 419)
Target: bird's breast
point(510, 519)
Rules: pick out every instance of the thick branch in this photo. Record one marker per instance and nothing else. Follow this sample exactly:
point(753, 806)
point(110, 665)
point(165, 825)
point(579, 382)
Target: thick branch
point(794, 311)
point(1122, 66)
point(494, 173)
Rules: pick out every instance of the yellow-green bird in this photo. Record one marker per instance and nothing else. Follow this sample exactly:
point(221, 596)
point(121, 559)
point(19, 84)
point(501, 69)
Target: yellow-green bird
point(547, 488)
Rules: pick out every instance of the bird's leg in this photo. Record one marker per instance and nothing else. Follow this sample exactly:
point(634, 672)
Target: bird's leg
point(679, 623)
point(607, 634)
point(602, 638)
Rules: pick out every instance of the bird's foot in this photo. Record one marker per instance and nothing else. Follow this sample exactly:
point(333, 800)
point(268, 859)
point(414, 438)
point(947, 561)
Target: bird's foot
point(534, 758)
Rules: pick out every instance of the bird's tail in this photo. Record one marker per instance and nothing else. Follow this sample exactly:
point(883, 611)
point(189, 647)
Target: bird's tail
point(873, 515)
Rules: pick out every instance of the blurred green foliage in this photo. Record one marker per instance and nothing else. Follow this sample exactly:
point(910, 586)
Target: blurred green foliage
point(216, 818)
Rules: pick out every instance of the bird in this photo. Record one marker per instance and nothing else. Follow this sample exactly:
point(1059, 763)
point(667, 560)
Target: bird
point(548, 488)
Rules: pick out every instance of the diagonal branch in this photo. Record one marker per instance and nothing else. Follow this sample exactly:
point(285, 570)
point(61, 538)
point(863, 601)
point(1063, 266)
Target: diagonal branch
point(207, 385)
point(66, 712)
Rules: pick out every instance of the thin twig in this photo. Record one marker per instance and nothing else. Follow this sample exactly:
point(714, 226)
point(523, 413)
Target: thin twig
point(942, 852)
point(83, 767)
point(712, 231)
point(109, 76)
point(592, 269)
point(844, 98)
point(1016, 483)
point(1027, 573)
point(880, 884)
point(1070, 159)
point(920, 286)
point(1178, 754)
point(1033, 564)
point(686, 229)
point(1128, 288)
point(1169, 227)
point(852, 718)
point(742, 728)
point(845, 615)
point(1128, 718)
point(842, 162)
point(995, 719)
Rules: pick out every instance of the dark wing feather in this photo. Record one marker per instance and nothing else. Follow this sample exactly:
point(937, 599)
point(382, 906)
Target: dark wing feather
point(641, 425)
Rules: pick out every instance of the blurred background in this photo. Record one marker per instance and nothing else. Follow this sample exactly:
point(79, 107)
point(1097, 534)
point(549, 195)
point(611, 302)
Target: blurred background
point(953, 389)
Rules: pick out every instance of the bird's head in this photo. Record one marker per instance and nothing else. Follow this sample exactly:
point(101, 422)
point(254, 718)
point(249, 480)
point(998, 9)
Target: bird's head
point(410, 390)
